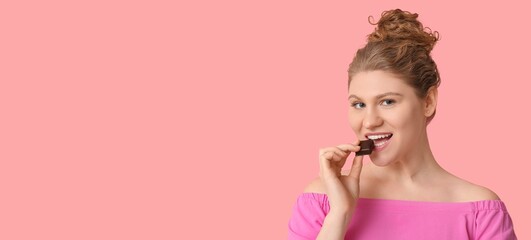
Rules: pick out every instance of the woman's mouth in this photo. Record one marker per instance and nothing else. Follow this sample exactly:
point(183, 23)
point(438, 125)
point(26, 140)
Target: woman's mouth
point(381, 140)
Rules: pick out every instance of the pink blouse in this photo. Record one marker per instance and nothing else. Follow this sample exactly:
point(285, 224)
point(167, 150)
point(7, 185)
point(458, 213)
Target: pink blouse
point(377, 219)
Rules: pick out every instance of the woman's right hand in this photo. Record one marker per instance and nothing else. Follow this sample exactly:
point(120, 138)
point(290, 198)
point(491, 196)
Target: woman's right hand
point(342, 190)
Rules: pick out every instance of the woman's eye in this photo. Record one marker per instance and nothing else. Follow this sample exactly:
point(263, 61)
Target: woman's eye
point(388, 102)
point(357, 105)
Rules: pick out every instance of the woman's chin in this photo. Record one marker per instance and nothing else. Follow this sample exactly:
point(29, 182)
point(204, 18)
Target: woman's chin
point(380, 162)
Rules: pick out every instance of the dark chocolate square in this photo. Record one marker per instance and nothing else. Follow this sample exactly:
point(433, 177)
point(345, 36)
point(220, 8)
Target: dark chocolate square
point(366, 147)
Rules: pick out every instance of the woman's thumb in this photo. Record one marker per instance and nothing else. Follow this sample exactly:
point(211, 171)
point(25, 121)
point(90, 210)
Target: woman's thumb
point(357, 164)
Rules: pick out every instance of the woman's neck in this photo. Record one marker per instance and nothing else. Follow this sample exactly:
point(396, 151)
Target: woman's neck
point(418, 166)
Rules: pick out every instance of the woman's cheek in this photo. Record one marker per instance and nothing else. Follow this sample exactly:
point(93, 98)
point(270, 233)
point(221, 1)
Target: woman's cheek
point(355, 123)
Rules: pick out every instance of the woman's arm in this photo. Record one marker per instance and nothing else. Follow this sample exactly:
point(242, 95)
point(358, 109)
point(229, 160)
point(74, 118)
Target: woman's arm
point(334, 226)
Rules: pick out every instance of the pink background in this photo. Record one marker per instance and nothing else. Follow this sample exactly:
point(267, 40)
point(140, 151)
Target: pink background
point(203, 120)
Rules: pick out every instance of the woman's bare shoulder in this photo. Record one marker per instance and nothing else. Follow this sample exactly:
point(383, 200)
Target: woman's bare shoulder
point(478, 193)
point(468, 191)
point(315, 186)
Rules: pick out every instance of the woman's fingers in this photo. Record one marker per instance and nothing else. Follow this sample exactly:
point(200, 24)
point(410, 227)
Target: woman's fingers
point(325, 164)
point(342, 150)
point(357, 165)
point(351, 147)
point(329, 160)
point(332, 159)
point(347, 149)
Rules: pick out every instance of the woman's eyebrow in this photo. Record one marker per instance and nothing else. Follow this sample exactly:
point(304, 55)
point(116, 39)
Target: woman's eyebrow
point(378, 96)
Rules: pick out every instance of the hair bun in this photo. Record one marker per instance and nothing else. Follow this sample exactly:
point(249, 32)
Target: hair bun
point(402, 25)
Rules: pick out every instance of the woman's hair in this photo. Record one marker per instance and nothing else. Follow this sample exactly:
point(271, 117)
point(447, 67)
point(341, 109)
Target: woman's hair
point(400, 45)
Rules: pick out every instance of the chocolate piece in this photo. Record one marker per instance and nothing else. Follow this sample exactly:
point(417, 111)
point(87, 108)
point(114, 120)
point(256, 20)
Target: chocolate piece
point(366, 147)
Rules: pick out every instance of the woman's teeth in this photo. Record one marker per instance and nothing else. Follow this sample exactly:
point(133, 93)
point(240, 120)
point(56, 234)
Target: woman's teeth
point(375, 137)
point(380, 140)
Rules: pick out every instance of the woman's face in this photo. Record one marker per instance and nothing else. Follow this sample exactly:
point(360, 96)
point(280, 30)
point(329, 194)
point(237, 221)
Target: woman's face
point(384, 108)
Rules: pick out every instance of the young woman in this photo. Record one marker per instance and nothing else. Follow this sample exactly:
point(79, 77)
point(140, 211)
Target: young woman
point(404, 193)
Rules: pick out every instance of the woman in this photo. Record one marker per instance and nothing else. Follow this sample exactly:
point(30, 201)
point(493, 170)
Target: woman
point(404, 193)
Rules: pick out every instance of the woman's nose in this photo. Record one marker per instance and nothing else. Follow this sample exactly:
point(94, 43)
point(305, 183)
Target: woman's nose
point(372, 119)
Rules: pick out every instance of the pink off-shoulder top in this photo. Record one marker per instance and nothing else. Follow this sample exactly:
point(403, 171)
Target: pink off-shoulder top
point(376, 219)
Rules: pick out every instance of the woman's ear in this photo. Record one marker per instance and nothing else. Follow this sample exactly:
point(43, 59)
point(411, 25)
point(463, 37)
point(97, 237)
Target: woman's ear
point(430, 102)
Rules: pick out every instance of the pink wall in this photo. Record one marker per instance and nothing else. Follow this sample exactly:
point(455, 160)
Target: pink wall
point(156, 120)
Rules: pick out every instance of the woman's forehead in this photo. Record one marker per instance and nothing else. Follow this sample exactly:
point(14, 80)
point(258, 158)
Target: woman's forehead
point(374, 83)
